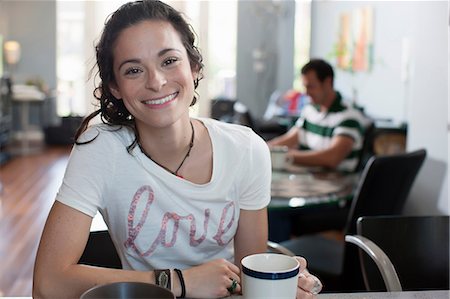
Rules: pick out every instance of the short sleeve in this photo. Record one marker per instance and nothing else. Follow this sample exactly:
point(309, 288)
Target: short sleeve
point(351, 127)
point(90, 167)
point(257, 177)
point(299, 122)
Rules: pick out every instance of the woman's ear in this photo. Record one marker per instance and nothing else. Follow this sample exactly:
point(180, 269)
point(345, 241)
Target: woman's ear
point(195, 72)
point(115, 91)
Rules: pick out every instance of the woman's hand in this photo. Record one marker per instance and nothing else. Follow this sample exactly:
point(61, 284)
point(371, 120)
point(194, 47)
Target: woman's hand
point(308, 285)
point(212, 279)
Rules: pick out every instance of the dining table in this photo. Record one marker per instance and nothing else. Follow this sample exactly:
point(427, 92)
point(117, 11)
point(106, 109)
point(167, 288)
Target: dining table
point(316, 195)
point(381, 295)
point(298, 187)
point(364, 295)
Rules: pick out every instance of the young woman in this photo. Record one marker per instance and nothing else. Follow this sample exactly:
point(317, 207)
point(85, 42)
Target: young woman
point(176, 192)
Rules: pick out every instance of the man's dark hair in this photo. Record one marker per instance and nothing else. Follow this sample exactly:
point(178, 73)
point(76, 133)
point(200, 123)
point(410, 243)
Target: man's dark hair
point(322, 69)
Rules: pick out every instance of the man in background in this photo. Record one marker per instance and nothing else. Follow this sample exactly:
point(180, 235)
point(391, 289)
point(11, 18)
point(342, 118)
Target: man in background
point(329, 133)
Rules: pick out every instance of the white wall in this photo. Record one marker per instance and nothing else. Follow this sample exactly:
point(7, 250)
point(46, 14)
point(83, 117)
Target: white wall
point(421, 99)
point(381, 87)
point(38, 47)
point(429, 106)
point(269, 27)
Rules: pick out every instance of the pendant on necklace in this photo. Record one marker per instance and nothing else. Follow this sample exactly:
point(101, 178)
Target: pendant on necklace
point(191, 144)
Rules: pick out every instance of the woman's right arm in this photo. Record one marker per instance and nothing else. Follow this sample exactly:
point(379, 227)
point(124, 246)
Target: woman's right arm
point(56, 272)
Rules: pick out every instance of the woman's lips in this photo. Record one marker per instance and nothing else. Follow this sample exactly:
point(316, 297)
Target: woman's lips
point(162, 102)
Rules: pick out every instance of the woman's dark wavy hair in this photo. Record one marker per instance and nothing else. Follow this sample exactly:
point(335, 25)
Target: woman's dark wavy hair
point(112, 110)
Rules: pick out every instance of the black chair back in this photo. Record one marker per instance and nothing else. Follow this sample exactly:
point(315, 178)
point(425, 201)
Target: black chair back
point(384, 186)
point(100, 251)
point(242, 116)
point(222, 109)
point(367, 148)
point(418, 247)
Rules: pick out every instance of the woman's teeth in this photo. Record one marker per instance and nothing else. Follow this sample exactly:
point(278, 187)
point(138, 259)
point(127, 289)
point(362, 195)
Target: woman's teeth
point(161, 101)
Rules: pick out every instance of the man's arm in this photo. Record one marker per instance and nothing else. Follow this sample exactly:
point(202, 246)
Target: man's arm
point(290, 139)
point(340, 147)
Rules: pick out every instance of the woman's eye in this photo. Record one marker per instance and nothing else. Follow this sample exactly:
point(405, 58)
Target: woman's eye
point(132, 71)
point(169, 61)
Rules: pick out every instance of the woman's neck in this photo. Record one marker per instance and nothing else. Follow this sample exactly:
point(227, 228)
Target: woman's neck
point(167, 146)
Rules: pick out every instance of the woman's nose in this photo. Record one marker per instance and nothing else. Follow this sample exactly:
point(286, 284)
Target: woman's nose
point(155, 80)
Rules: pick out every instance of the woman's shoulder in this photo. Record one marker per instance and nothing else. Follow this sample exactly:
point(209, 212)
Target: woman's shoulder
point(228, 129)
point(232, 134)
point(104, 133)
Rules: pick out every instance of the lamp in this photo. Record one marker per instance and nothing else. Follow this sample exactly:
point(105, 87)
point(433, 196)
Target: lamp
point(12, 53)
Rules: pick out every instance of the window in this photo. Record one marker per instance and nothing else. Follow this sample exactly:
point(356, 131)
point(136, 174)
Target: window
point(302, 39)
point(70, 58)
point(79, 26)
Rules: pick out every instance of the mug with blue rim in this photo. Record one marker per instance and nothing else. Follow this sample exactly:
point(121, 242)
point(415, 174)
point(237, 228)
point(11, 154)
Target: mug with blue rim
point(269, 275)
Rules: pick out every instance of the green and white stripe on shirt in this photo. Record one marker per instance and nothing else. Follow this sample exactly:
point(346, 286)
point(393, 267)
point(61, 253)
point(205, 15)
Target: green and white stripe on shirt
point(317, 129)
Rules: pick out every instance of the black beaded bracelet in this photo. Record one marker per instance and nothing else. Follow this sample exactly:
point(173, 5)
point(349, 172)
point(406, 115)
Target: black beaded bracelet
point(183, 286)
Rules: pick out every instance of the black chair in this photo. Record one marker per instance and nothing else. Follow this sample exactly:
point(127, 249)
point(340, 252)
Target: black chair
point(367, 148)
point(327, 219)
point(242, 115)
point(100, 251)
point(233, 111)
point(382, 190)
point(222, 109)
point(417, 246)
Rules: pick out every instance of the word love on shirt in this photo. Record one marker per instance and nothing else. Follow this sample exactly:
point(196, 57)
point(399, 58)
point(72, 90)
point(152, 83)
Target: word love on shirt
point(135, 228)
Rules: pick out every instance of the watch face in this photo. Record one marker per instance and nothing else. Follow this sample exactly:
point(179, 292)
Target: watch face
point(163, 280)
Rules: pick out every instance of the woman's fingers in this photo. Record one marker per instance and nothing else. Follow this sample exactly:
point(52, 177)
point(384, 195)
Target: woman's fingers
point(308, 284)
point(302, 262)
point(233, 268)
point(235, 279)
point(213, 279)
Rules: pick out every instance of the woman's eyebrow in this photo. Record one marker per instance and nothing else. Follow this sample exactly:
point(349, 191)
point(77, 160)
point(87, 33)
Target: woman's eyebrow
point(135, 60)
point(164, 51)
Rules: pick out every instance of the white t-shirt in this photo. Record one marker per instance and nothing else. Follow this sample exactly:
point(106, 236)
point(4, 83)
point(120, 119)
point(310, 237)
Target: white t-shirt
point(156, 219)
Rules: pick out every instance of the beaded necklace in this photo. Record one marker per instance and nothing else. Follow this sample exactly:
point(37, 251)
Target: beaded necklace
point(191, 144)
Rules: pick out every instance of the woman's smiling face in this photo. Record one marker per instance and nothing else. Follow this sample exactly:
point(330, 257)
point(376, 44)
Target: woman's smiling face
point(152, 73)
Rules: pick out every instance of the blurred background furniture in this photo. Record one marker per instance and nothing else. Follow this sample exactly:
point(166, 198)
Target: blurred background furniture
point(388, 138)
point(308, 193)
point(63, 131)
point(222, 109)
point(367, 148)
point(25, 96)
point(100, 251)
point(5, 117)
point(332, 219)
point(385, 185)
point(382, 261)
point(417, 246)
point(382, 190)
point(234, 111)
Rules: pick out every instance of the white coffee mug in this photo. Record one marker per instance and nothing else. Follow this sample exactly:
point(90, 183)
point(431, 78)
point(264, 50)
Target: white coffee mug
point(278, 155)
point(269, 275)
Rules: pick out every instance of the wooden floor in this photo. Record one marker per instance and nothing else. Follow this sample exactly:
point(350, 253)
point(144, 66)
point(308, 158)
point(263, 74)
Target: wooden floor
point(29, 184)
